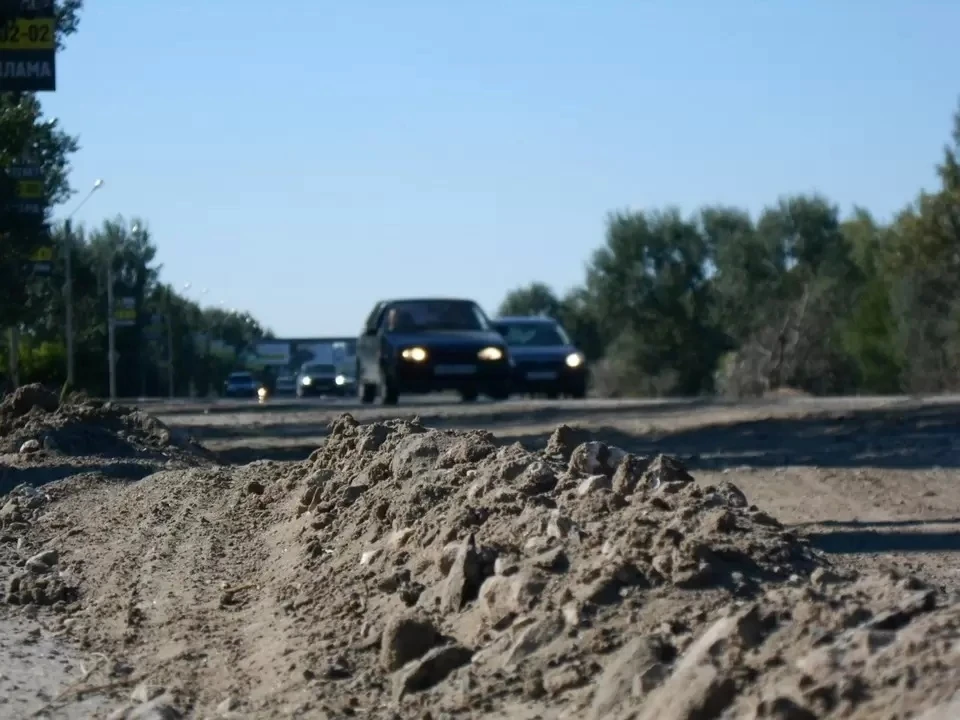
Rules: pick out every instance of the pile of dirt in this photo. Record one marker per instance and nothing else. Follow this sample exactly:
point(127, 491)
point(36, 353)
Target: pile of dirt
point(404, 571)
point(32, 419)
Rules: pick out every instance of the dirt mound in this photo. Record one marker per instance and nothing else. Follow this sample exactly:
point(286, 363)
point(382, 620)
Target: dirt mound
point(32, 419)
point(25, 398)
point(409, 572)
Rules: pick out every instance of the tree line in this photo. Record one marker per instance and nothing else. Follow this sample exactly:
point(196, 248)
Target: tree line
point(799, 298)
point(166, 343)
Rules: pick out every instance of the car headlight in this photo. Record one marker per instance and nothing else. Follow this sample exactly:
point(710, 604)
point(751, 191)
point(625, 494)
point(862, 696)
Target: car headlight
point(340, 380)
point(490, 353)
point(262, 392)
point(306, 380)
point(574, 360)
point(415, 354)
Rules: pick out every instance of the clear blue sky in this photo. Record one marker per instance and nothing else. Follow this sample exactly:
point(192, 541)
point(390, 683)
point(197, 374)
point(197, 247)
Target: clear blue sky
point(302, 159)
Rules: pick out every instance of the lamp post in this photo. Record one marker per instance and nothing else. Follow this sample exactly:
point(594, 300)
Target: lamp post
point(203, 347)
point(68, 283)
point(112, 324)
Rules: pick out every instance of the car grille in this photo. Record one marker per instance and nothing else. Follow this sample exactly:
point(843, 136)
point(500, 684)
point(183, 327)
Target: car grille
point(537, 365)
point(452, 355)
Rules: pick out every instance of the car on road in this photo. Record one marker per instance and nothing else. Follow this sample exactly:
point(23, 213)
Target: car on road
point(425, 345)
point(241, 384)
point(321, 379)
point(545, 359)
point(285, 385)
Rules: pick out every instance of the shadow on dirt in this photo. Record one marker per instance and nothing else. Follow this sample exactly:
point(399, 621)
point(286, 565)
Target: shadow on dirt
point(246, 455)
point(904, 438)
point(907, 439)
point(42, 474)
point(848, 542)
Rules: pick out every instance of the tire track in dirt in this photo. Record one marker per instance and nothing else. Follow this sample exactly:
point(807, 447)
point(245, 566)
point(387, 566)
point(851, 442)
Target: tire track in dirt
point(166, 526)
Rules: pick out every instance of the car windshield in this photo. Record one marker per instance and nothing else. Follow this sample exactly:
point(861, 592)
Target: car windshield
point(320, 369)
point(412, 316)
point(240, 377)
point(533, 334)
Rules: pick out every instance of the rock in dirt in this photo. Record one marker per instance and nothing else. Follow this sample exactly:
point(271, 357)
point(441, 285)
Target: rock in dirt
point(405, 638)
point(431, 669)
point(464, 578)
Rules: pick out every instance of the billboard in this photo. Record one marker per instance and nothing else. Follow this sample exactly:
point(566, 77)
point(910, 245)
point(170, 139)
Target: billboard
point(28, 46)
point(269, 353)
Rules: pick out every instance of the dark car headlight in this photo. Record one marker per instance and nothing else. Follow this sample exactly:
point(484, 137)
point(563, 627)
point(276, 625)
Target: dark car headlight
point(414, 354)
point(491, 354)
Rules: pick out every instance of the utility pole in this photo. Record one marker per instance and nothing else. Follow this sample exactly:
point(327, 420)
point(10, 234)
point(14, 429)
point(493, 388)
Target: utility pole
point(68, 298)
point(111, 331)
point(169, 346)
point(14, 337)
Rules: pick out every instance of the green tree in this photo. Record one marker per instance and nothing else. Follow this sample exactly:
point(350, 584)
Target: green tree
point(25, 132)
point(648, 290)
point(534, 299)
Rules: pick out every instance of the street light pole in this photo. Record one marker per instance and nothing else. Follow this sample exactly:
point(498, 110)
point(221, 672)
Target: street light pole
point(169, 344)
point(111, 331)
point(68, 283)
point(68, 297)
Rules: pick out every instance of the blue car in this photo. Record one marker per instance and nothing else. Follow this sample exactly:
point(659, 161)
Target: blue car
point(430, 345)
point(241, 384)
point(545, 360)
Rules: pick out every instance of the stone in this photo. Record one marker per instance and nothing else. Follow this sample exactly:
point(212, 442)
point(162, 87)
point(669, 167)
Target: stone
point(465, 577)
point(405, 638)
point(431, 669)
point(504, 597)
point(592, 484)
point(43, 561)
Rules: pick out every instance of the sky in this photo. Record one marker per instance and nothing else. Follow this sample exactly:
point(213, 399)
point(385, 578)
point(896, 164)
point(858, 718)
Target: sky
point(302, 160)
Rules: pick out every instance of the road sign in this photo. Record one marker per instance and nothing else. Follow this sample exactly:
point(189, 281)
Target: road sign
point(42, 260)
point(29, 192)
point(125, 312)
point(26, 8)
point(28, 46)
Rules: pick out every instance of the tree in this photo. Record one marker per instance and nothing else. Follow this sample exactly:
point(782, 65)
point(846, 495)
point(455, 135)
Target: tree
point(648, 291)
point(25, 133)
point(534, 299)
point(798, 297)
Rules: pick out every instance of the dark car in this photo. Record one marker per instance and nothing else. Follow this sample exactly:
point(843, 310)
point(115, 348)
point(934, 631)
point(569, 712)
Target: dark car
point(545, 360)
point(426, 345)
point(241, 384)
point(320, 379)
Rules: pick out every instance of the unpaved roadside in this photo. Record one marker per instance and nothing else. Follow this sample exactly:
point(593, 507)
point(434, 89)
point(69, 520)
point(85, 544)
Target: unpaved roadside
point(36, 668)
point(265, 607)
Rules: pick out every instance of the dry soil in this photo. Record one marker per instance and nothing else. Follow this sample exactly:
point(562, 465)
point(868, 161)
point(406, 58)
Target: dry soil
point(790, 559)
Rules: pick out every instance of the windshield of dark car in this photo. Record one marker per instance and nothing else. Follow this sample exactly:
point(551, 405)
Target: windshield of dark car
point(426, 315)
point(240, 377)
point(530, 334)
point(320, 369)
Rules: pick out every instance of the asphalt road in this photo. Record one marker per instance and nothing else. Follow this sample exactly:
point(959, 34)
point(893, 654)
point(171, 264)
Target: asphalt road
point(433, 403)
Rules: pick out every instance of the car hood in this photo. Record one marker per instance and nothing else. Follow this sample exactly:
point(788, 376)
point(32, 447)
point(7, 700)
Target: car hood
point(545, 352)
point(465, 338)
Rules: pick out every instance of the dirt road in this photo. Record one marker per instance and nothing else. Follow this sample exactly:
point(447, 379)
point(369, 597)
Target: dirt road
point(871, 484)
